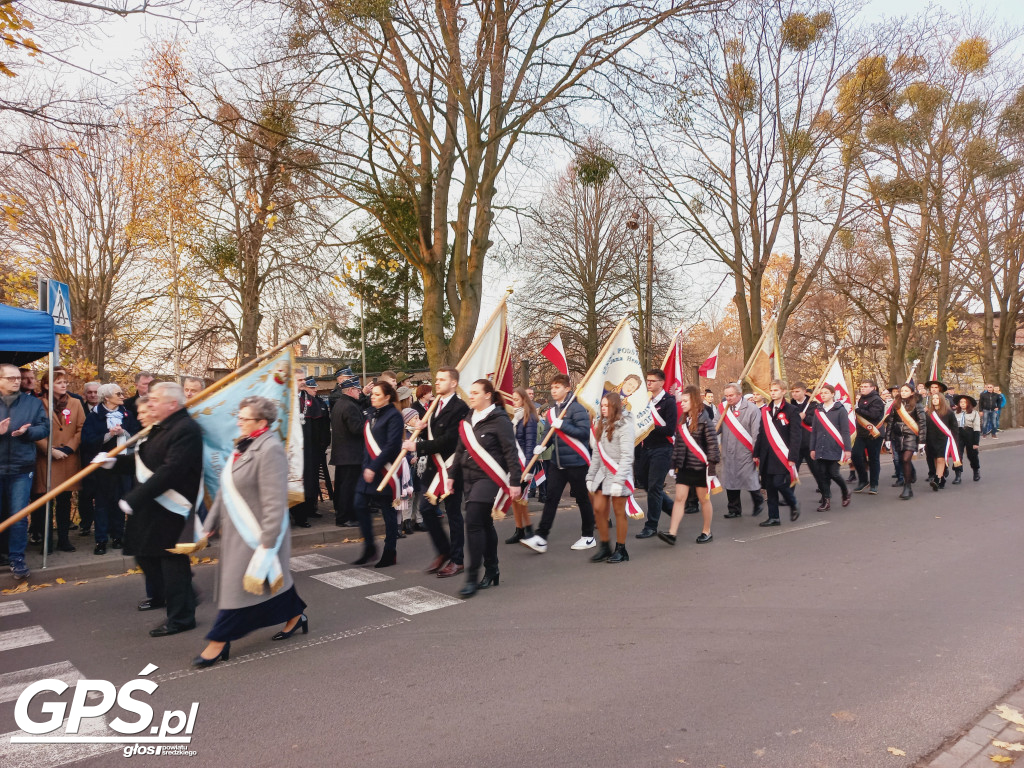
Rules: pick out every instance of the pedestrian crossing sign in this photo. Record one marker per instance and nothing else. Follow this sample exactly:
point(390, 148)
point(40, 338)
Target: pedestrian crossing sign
point(59, 306)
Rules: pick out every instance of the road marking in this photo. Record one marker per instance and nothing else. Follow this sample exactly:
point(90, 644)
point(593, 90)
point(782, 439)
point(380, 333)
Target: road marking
point(13, 607)
point(280, 648)
point(19, 638)
point(52, 755)
point(312, 562)
point(13, 683)
point(355, 577)
point(786, 530)
point(414, 600)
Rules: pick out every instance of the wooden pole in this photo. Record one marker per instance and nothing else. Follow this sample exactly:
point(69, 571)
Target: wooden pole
point(760, 342)
point(89, 468)
point(395, 465)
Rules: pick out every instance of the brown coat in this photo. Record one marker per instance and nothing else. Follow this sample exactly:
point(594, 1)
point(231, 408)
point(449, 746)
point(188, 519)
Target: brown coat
point(66, 431)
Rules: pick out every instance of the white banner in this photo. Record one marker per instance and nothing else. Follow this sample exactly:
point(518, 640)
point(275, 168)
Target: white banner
point(489, 357)
point(619, 371)
point(837, 379)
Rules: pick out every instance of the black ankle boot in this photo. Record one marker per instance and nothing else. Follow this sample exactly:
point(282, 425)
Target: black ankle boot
point(527, 531)
point(908, 492)
point(957, 475)
point(620, 555)
point(387, 557)
point(602, 554)
point(516, 537)
point(369, 552)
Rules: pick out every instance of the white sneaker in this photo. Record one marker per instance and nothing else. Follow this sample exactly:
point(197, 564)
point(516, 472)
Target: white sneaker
point(585, 542)
point(536, 543)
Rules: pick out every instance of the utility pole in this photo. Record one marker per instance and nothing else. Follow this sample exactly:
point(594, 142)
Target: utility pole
point(649, 336)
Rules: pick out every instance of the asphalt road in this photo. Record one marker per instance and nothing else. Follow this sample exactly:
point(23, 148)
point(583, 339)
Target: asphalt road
point(820, 643)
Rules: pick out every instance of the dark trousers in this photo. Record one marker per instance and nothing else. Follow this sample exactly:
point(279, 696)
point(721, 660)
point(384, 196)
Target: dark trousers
point(775, 485)
point(654, 464)
point(453, 544)
point(735, 498)
point(87, 502)
point(576, 479)
point(169, 580)
point(109, 519)
point(969, 440)
point(389, 513)
point(866, 453)
point(310, 486)
point(481, 539)
point(346, 478)
point(804, 455)
point(828, 471)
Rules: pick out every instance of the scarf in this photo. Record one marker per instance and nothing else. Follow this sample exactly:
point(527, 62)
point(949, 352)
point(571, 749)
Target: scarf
point(243, 443)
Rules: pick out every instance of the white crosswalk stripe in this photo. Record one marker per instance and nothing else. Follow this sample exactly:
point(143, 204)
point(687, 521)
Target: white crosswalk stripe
point(13, 607)
point(414, 600)
point(52, 755)
point(312, 562)
point(354, 577)
point(20, 638)
point(13, 683)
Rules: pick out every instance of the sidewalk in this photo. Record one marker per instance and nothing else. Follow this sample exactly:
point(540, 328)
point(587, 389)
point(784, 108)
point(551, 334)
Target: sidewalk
point(83, 564)
point(995, 739)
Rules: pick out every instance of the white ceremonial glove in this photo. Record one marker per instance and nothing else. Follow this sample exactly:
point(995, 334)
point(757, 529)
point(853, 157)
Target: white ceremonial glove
point(888, 445)
point(125, 507)
point(556, 423)
point(920, 451)
point(527, 478)
point(615, 489)
point(539, 449)
point(102, 458)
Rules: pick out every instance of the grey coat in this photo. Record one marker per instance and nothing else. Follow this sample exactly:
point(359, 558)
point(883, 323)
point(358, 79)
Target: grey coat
point(261, 477)
point(619, 450)
point(738, 472)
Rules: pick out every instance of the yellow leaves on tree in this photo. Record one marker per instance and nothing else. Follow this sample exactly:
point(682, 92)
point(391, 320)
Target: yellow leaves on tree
point(971, 56)
point(799, 30)
point(866, 85)
point(13, 28)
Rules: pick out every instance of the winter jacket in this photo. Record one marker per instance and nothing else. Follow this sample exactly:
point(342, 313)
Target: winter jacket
point(495, 434)
point(662, 436)
point(346, 431)
point(575, 423)
point(388, 429)
point(620, 451)
point(684, 458)
point(823, 443)
point(18, 454)
point(988, 401)
point(67, 437)
point(901, 436)
point(872, 408)
point(526, 435)
point(787, 424)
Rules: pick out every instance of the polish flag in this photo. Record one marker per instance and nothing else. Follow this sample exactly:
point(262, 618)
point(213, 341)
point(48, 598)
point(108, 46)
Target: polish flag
point(673, 366)
point(710, 367)
point(555, 353)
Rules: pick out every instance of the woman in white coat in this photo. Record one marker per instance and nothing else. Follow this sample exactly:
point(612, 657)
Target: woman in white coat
point(610, 475)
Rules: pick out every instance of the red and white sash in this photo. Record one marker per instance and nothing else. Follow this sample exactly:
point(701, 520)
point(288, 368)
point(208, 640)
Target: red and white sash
point(803, 411)
point(436, 490)
point(778, 444)
point(952, 452)
point(660, 420)
point(488, 464)
point(632, 508)
point(714, 485)
point(908, 420)
point(581, 448)
point(374, 450)
point(831, 429)
point(738, 430)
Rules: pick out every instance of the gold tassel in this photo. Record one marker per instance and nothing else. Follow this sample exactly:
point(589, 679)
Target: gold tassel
point(252, 585)
point(189, 549)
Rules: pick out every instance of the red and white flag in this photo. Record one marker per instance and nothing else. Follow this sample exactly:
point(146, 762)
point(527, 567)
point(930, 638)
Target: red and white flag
point(555, 353)
point(710, 367)
point(835, 376)
point(673, 365)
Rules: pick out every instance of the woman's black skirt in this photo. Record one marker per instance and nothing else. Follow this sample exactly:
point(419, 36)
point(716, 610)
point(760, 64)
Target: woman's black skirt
point(234, 623)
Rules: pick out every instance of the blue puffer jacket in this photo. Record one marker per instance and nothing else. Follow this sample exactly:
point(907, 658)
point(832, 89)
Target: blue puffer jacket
point(576, 423)
point(18, 454)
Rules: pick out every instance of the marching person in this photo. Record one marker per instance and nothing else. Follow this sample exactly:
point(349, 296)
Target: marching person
point(436, 444)
point(487, 462)
point(347, 422)
point(609, 475)
point(382, 437)
point(653, 457)
point(969, 421)
point(870, 411)
point(776, 444)
point(23, 422)
point(830, 445)
point(161, 507)
point(569, 464)
point(316, 436)
point(524, 422)
point(694, 458)
point(805, 405)
point(254, 583)
point(739, 426)
point(942, 435)
point(907, 431)
point(897, 461)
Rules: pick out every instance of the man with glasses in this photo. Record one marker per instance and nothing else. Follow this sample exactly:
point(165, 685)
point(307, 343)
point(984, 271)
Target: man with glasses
point(654, 454)
point(23, 421)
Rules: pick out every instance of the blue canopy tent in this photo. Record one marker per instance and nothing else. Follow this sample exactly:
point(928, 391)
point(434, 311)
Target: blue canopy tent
point(25, 335)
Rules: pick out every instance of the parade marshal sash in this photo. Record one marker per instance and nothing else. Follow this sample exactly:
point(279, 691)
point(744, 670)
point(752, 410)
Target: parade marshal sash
point(632, 508)
point(264, 566)
point(732, 421)
point(952, 452)
point(778, 444)
point(395, 483)
point(489, 465)
point(908, 420)
point(714, 485)
point(572, 442)
point(831, 429)
point(436, 490)
point(170, 499)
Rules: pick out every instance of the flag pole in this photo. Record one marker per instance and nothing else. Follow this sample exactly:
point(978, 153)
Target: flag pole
point(89, 468)
point(760, 342)
point(935, 360)
point(396, 464)
point(668, 352)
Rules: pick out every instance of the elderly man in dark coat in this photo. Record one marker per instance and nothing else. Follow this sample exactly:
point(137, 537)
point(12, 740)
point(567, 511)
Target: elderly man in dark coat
point(161, 507)
point(346, 449)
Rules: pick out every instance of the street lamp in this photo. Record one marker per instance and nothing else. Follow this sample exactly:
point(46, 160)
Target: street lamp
point(636, 218)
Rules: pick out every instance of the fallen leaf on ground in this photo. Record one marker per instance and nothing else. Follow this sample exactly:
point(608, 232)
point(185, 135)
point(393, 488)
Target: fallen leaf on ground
point(40, 586)
point(23, 587)
point(844, 717)
point(1008, 746)
point(319, 546)
point(897, 752)
point(81, 582)
point(759, 752)
point(1010, 714)
point(60, 581)
point(1001, 759)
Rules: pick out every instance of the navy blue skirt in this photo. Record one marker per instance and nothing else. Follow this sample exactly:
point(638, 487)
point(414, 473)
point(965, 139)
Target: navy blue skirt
point(234, 623)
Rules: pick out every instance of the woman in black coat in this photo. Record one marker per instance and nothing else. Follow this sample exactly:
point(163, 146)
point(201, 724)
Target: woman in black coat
point(382, 435)
point(944, 447)
point(488, 464)
point(907, 430)
point(694, 458)
point(826, 449)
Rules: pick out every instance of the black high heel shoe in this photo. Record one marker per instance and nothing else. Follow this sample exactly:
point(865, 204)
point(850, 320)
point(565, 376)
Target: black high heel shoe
point(202, 663)
point(302, 623)
point(368, 554)
point(489, 579)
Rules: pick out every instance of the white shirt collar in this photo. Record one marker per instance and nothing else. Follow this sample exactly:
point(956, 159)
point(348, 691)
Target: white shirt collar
point(479, 416)
point(657, 398)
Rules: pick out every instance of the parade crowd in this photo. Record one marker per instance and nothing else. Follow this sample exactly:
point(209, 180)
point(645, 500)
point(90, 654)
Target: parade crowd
point(427, 460)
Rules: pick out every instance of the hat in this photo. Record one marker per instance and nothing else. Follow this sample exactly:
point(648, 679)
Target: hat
point(404, 393)
point(310, 381)
point(402, 376)
point(347, 378)
point(969, 399)
point(942, 387)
